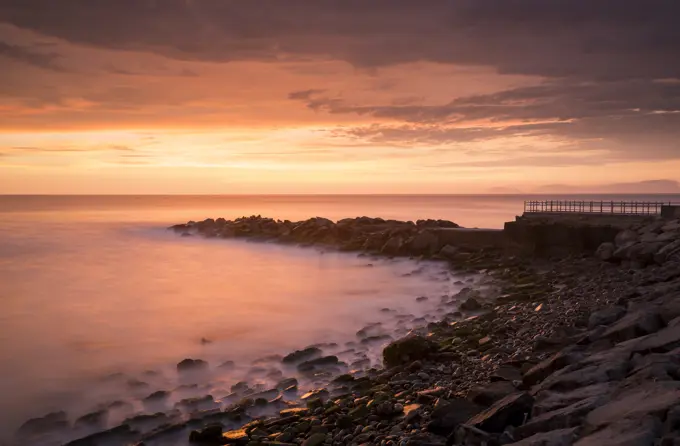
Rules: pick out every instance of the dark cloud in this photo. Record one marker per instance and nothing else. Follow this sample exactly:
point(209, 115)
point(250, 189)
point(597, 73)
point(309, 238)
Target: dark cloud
point(27, 55)
point(304, 95)
point(597, 39)
point(638, 117)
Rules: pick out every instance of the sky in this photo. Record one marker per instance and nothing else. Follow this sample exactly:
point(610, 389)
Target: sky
point(342, 96)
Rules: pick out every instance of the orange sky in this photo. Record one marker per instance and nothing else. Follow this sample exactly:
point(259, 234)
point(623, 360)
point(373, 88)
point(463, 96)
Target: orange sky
point(143, 113)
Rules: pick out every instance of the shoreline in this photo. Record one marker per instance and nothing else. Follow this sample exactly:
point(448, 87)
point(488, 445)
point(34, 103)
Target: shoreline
point(546, 362)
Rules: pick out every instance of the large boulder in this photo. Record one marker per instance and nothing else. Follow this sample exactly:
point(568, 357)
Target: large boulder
point(449, 415)
point(407, 350)
point(626, 237)
point(606, 251)
point(191, 365)
point(510, 411)
point(424, 242)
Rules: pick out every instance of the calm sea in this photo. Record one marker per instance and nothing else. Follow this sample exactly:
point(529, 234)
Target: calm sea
point(98, 302)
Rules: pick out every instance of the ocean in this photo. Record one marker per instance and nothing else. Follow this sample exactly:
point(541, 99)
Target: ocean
point(99, 302)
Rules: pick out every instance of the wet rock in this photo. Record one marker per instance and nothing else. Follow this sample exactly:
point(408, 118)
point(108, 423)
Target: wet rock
point(580, 375)
point(509, 411)
point(51, 422)
point(191, 365)
point(407, 350)
point(227, 365)
point(302, 355)
point(158, 396)
point(470, 304)
point(450, 414)
point(195, 404)
point(237, 437)
point(323, 361)
point(118, 435)
point(211, 435)
point(96, 419)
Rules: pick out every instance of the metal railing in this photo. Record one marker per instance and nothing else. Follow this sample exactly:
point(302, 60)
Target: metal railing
point(595, 207)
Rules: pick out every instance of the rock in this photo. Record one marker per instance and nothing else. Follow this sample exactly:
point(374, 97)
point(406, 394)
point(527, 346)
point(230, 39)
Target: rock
point(551, 401)
point(302, 355)
point(560, 437)
point(96, 419)
point(446, 418)
point(581, 375)
point(407, 350)
point(566, 417)
point(238, 437)
point(606, 251)
point(542, 370)
point(315, 440)
point(667, 251)
point(211, 434)
point(425, 242)
point(488, 394)
point(662, 341)
point(51, 422)
point(506, 373)
point(118, 435)
point(633, 325)
point(606, 316)
point(625, 432)
point(470, 304)
point(625, 237)
point(393, 246)
point(651, 398)
point(323, 361)
point(191, 365)
point(510, 411)
point(449, 252)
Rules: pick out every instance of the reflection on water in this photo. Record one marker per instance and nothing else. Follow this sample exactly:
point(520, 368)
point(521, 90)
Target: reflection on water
point(83, 299)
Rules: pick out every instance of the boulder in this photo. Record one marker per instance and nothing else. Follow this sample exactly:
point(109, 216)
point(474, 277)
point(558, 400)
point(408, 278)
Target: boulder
point(581, 375)
point(424, 242)
point(509, 411)
point(667, 251)
point(565, 417)
point(488, 394)
point(449, 252)
point(393, 246)
point(625, 237)
point(191, 365)
point(407, 350)
point(633, 325)
point(51, 422)
point(449, 415)
point(547, 367)
point(302, 355)
point(606, 251)
point(650, 398)
point(606, 316)
point(552, 401)
point(625, 432)
point(470, 304)
point(560, 437)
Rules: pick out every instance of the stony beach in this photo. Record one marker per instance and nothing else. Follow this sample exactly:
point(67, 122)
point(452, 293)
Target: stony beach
point(580, 348)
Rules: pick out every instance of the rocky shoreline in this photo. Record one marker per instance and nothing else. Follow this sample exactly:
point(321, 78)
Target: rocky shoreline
point(577, 350)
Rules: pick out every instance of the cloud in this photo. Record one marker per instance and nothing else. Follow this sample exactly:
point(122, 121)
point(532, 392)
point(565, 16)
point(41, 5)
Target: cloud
point(602, 39)
point(22, 54)
point(304, 95)
point(634, 118)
